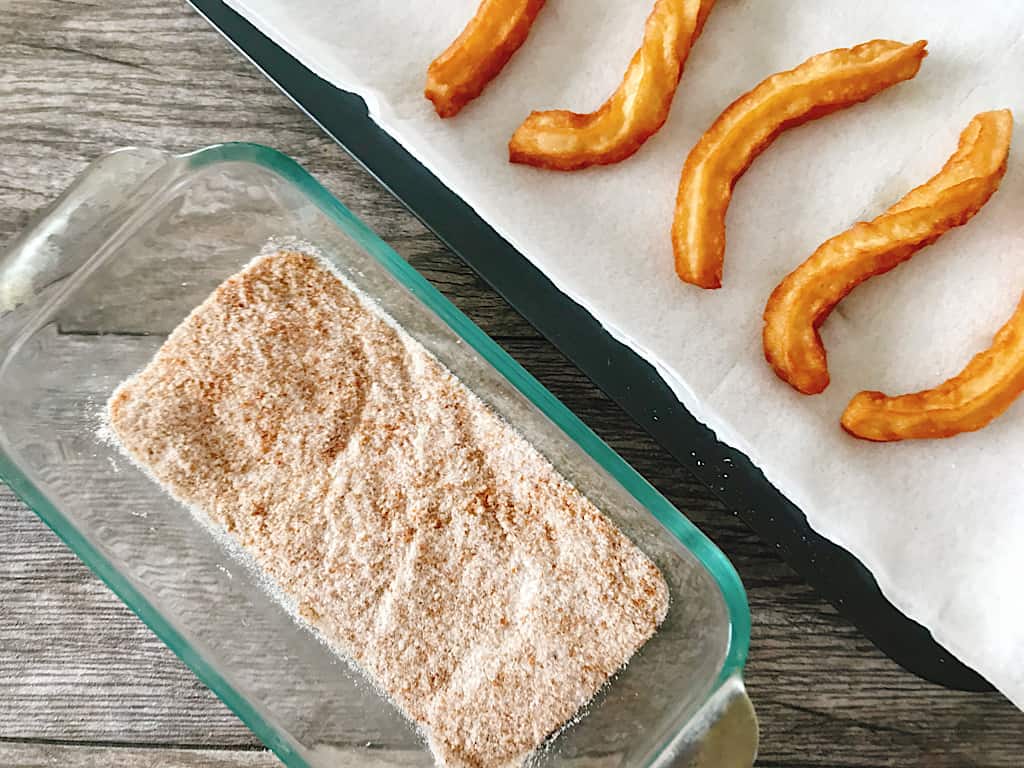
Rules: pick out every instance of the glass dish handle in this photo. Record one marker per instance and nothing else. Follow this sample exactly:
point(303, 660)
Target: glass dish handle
point(87, 214)
point(727, 733)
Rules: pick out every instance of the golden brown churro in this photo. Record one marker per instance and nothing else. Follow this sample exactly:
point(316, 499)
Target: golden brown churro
point(821, 85)
point(566, 141)
point(460, 74)
point(804, 299)
point(967, 402)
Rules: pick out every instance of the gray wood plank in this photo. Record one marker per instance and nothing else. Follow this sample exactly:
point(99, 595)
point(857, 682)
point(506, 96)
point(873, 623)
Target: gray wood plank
point(27, 755)
point(78, 80)
point(76, 667)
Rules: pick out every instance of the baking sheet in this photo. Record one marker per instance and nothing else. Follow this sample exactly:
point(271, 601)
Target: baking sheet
point(935, 522)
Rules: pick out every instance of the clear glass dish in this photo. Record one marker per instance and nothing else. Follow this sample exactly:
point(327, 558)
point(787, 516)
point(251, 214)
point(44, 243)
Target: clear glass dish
point(89, 293)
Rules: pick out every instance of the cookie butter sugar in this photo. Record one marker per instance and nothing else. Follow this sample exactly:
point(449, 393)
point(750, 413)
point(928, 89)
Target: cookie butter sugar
point(414, 529)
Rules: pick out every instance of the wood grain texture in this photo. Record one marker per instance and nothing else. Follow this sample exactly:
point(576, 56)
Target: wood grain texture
point(42, 755)
point(84, 683)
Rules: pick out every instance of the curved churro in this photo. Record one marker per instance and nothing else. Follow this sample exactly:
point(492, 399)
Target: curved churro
point(967, 402)
point(566, 141)
point(821, 85)
point(478, 54)
point(804, 299)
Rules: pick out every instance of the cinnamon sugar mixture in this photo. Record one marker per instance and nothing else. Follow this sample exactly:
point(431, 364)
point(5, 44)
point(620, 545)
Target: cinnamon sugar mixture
point(417, 531)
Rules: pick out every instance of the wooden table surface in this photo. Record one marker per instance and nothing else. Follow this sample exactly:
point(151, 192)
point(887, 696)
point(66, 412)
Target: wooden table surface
point(84, 683)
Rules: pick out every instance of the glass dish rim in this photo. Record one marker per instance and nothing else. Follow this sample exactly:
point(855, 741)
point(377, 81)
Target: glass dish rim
point(695, 541)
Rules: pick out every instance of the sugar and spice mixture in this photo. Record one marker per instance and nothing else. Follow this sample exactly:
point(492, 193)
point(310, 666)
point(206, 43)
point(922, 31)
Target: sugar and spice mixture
point(414, 529)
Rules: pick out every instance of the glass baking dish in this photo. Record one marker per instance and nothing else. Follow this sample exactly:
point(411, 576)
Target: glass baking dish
point(89, 293)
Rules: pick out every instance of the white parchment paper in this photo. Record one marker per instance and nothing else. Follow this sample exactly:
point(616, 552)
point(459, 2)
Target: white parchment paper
point(940, 523)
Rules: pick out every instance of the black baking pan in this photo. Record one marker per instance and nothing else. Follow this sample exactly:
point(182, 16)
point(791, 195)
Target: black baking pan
point(618, 371)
